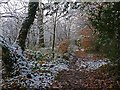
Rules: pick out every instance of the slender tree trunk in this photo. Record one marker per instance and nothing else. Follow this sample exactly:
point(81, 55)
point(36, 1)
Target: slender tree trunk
point(27, 24)
point(54, 35)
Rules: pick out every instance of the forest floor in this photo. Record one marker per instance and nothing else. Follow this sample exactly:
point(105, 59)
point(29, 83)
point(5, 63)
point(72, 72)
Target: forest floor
point(82, 74)
point(81, 79)
point(0, 72)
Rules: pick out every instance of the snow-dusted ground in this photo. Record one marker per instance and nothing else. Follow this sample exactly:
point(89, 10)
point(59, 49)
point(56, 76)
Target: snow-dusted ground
point(90, 64)
point(0, 65)
point(34, 78)
point(0, 71)
point(32, 74)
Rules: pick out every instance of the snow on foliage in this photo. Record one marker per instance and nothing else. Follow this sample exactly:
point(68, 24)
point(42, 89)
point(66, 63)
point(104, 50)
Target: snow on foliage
point(37, 74)
point(31, 73)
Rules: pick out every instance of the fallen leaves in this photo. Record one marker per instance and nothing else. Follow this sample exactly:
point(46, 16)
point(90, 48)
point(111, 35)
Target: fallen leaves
point(63, 46)
point(80, 54)
point(95, 79)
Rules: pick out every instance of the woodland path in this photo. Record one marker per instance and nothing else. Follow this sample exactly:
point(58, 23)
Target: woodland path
point(81, 79)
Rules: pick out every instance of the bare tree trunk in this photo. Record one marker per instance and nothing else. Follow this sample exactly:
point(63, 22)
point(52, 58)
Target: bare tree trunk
point(27, 24)
point(54, 35)
point(40, 26)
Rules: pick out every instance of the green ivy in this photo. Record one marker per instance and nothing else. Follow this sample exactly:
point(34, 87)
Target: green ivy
point(106, 21)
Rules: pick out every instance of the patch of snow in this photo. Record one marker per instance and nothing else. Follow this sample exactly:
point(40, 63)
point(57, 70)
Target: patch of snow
point(59, 67)
point(82, 50)
point(91, 64)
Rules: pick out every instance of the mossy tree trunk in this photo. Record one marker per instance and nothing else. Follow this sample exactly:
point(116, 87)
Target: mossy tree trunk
point(27, 24)
point(7, 62)
point(7, 57)
point(40, 25)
